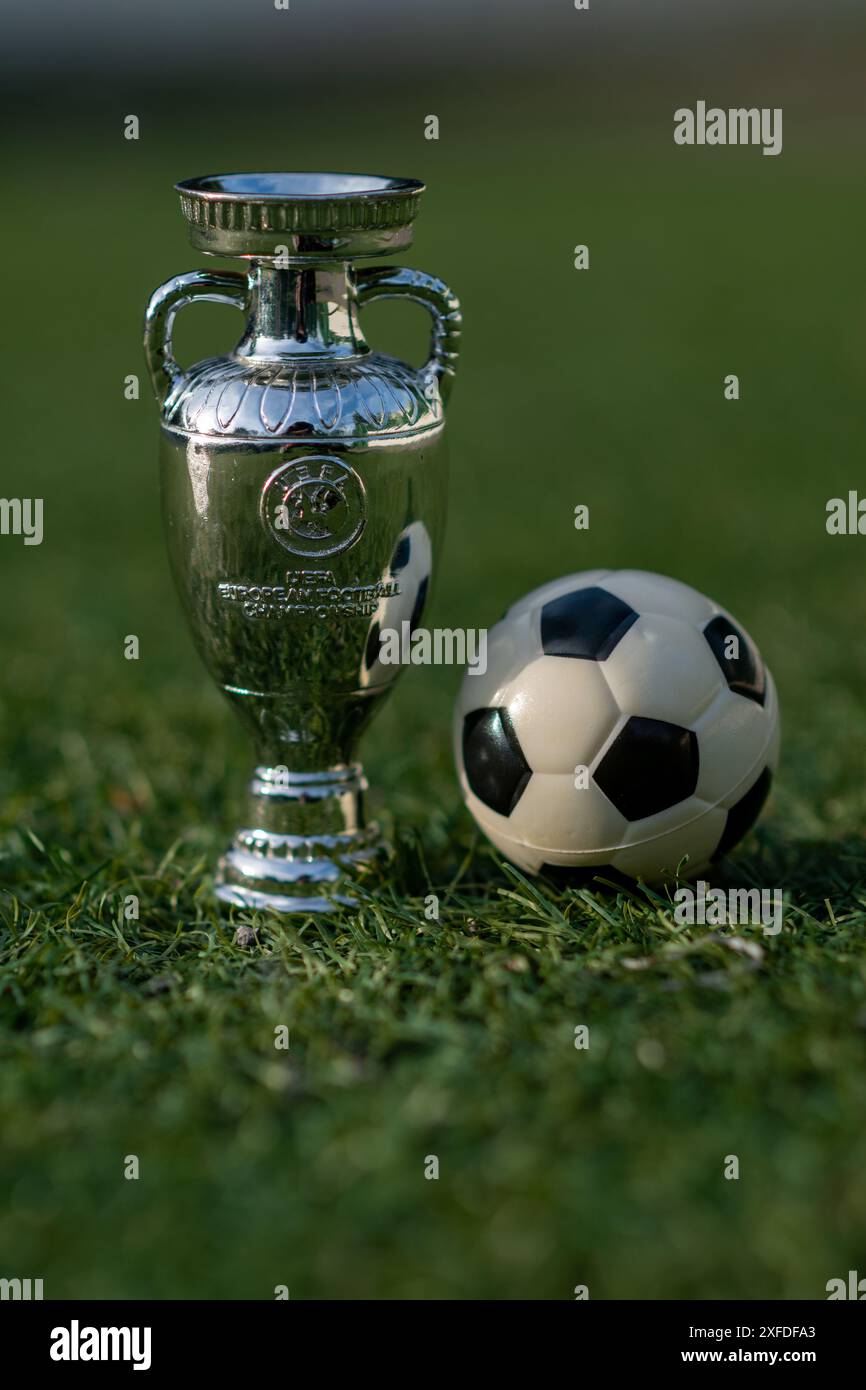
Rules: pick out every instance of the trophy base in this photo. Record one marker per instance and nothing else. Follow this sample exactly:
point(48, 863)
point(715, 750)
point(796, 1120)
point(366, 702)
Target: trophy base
point(304, 845)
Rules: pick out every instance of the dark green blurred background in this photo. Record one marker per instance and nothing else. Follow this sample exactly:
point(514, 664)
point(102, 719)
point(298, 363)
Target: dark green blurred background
point(602, 387)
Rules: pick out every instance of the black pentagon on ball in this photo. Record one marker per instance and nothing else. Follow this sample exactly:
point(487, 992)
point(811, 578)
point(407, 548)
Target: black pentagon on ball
point(495, 766)
point(402, 554)
point(586, 623)
point(744, 671)
point(744, 813)
point(374, 646)
point(650, 766)
point(418, 605)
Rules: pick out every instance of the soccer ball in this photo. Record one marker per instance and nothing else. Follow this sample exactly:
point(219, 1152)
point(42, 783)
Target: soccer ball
point(624, 721)
point(409, 574)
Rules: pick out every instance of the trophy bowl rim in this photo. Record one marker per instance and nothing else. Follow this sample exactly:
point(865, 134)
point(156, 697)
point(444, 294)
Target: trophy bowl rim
point(306, 217)
point(337, 186)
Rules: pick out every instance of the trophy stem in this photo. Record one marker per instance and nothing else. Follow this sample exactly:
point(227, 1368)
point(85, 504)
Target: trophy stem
point(303, 841)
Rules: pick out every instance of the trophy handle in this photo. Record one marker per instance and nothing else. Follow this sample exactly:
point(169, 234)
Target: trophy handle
point(220, 287)
point(381, 282)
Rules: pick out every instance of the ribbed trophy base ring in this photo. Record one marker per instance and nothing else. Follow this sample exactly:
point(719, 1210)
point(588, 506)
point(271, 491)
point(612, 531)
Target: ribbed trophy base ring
point(294, 873)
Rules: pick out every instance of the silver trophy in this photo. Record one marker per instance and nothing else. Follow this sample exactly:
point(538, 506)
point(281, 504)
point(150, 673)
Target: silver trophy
point(304, 482)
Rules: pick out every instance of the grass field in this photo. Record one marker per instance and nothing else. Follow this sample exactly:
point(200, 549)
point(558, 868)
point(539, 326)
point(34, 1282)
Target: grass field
point(410, 1038)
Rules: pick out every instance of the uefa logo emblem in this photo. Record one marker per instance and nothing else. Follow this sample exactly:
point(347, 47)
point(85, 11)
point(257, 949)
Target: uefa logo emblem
point(314, 506)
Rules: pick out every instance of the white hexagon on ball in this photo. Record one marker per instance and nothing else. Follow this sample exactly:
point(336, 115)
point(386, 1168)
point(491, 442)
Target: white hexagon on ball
point(562, 712)
point(663, 669)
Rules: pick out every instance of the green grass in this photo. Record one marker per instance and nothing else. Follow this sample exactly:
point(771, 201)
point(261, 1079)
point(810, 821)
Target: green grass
point(454, 1038)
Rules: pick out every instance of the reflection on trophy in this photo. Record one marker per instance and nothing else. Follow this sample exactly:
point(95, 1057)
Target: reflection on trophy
point(405, 585)
point(304, 484)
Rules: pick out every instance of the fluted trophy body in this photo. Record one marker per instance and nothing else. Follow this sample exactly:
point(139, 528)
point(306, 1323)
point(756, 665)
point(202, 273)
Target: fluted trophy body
point(304, 483)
